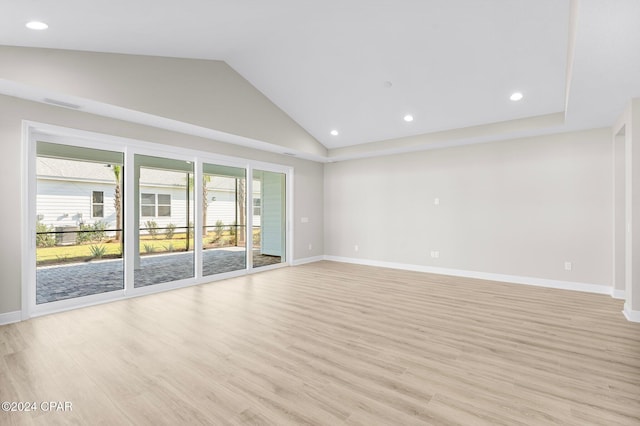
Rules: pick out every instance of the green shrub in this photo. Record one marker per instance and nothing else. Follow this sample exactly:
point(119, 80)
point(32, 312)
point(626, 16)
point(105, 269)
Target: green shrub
point(91, 232)
point(97, 250)
point(43, 237)
point(217, 232)
point(152, 228)
point(232, 239)
point(169, 231)
point(149, 248)
point(99, 234)
point(82, 236)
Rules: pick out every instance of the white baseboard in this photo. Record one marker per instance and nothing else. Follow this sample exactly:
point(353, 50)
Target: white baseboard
point(630, 314)
point(305, 260)
point(515, 279)
point(618, 294)
point(10, 317)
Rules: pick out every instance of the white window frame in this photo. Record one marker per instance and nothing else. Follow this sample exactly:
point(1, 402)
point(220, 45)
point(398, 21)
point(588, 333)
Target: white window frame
point(93, 203)
point(34, 131)
point(154, 205)
point(158, 205)
point(257, 207)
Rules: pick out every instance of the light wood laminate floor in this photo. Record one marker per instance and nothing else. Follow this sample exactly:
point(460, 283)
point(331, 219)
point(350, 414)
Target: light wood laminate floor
point(331, 343)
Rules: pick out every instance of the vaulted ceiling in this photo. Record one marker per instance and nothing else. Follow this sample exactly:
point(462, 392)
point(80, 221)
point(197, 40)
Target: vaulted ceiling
point(360, 66)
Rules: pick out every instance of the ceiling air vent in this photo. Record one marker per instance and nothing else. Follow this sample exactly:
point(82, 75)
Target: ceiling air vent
point(61, 103)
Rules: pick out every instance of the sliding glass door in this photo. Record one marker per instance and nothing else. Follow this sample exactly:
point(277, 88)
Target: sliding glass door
point(164, 200)
point(269, 218)
point(224, 219)
point(79, 230)
point(189, 219)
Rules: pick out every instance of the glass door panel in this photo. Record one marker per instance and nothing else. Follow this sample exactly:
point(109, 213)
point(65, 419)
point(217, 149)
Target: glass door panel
point(165, 207)
point(224, 218)
point(269, 218)
point(79, 231)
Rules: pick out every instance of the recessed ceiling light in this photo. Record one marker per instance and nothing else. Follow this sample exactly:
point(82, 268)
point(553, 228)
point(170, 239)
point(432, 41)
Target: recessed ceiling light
point(36, 25)
point(516, 96)
point(408, 118)
point(334, 133)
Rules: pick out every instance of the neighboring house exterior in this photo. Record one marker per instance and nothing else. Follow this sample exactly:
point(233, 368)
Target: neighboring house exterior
point(70, 193)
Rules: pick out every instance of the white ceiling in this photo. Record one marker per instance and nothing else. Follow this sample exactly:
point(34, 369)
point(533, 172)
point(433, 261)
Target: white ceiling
point(452, 63)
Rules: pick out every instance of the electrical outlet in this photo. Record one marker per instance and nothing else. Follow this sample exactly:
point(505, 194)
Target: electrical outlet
point(310, 246)
point(356, 248)
point(436, 201)
point(568, 266)
point(435, 254)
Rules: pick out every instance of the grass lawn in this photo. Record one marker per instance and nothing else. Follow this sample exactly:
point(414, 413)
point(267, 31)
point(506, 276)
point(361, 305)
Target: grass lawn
point(59, 254)
point(111, 249)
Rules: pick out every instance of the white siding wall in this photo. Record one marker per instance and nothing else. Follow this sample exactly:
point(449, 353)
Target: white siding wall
point(68, 203)
point(178, 207)
point(223, 189)
point(223, 208)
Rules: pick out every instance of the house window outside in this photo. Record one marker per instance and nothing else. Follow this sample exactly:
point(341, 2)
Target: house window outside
point(164, 205)
point(148, 205)
point(97, 204)
point(257, 204)
point(149, 208)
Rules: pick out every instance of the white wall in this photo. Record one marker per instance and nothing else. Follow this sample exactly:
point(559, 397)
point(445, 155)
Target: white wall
point(619, 212)
point(519, 207)
point(627, 209)
point(632, 207)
